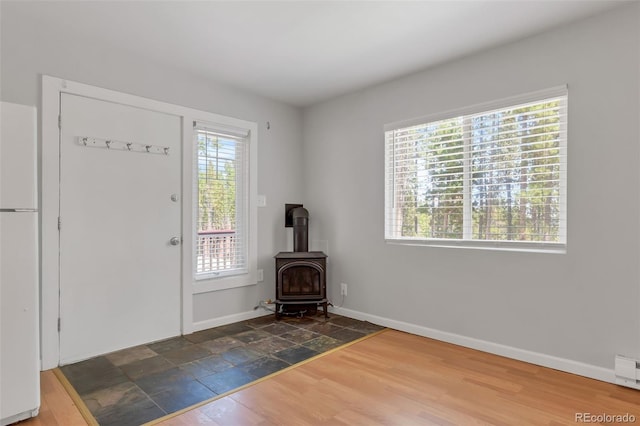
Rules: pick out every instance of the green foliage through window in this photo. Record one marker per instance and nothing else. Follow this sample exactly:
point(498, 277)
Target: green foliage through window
point(216, 183)
point(491, 176)
point(221, 192)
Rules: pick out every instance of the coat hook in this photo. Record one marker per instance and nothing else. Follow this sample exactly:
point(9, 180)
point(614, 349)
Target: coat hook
point(129, 145)
point(268, 125)
point(108, 143)
point(84, 141)
point(148, 147)
point(166, 151)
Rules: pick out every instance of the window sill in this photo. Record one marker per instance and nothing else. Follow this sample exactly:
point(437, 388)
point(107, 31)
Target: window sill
point(208, 284)
point(513, 246)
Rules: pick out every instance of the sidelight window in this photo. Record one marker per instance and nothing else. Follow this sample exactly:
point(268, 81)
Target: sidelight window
point(223, 212)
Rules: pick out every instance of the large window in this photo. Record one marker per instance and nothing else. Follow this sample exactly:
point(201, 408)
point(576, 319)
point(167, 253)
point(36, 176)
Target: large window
point(491, 176)
point(222, 187)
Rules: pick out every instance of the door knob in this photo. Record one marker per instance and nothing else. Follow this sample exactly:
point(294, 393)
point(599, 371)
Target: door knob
point(174, 241)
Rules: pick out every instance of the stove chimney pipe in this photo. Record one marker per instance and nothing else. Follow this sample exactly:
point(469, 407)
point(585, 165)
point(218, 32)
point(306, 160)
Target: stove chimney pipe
point(300, 229)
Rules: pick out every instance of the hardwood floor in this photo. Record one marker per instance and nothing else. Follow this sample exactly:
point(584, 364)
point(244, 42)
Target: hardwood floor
point(394, 378)
point(56, 406)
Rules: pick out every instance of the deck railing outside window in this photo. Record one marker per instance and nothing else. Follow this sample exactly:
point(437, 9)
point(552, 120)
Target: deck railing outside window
point(216, 251)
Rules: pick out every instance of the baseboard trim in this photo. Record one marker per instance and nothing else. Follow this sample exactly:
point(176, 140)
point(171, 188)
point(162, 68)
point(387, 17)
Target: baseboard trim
point(544, 360)
point(229, 319)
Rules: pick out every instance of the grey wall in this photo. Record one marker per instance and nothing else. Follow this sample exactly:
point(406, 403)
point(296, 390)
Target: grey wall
point(581, 306)
point(30, 49)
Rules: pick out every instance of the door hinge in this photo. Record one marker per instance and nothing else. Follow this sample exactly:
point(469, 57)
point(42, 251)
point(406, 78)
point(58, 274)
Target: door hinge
point(59, 223)
point(59, 121)
point(58, 324)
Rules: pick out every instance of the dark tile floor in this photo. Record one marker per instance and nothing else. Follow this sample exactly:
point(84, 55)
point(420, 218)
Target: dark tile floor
point(140, 384)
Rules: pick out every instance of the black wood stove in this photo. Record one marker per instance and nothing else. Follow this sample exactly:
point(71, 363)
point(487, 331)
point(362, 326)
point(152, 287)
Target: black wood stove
point(301, 279)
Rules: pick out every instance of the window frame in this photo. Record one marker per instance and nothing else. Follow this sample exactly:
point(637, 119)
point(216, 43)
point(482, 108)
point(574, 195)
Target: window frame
point(240, 143)
point(466, 242)
point(212, 281)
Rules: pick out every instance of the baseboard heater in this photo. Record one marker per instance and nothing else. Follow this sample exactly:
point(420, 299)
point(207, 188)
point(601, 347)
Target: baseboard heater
point(627, 372)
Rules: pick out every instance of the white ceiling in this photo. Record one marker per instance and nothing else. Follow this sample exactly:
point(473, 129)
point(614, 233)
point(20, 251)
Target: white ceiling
point(302, 52)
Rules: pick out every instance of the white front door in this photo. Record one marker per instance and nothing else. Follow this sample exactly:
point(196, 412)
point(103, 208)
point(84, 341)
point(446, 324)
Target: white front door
point(119, 209)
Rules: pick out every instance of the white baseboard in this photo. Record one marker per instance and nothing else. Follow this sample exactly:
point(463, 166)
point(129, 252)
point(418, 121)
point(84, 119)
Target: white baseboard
point(544, 360)
point(229, 319)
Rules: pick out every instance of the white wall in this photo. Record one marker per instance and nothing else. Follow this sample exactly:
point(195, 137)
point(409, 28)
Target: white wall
point(29, 50)
point(582, 306)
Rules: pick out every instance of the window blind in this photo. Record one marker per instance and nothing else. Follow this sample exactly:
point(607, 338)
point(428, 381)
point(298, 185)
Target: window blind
point(221, 186)
point(496, 175)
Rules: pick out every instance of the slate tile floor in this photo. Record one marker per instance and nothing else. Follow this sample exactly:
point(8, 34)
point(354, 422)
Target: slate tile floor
point(140, 384)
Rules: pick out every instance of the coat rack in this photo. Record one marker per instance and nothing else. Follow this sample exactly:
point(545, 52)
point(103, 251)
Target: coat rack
point(122, 146)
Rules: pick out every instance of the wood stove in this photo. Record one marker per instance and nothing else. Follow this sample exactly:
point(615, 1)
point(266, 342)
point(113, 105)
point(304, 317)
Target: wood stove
point(301, 279)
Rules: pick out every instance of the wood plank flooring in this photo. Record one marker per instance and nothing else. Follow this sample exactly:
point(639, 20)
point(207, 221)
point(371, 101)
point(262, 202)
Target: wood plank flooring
point(56, 406)
point(394, 378)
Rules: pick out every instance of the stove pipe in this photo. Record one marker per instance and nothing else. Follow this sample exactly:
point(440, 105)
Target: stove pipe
point(300, 229)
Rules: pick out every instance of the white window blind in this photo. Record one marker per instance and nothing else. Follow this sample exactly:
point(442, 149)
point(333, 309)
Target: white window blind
point(495, 175)
point(222, 189)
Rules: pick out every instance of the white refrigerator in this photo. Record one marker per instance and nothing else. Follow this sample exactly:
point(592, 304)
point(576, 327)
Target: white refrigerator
point(19, 276)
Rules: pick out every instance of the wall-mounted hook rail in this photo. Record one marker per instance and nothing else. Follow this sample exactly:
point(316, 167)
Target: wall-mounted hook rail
point(113, 144)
